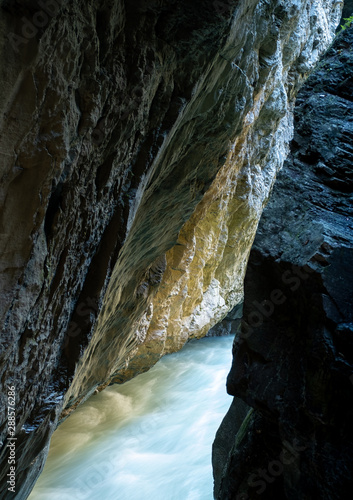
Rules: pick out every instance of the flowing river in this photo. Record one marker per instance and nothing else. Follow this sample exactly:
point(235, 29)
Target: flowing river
point(149, 438)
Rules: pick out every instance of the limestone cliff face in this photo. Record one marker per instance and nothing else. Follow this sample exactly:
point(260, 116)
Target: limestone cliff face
point(293, 358)
point(139, 143)
point(205, 269)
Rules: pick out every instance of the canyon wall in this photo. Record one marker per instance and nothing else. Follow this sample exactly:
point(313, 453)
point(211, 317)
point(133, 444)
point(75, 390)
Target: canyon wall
point(292, 372)
point(139, 144)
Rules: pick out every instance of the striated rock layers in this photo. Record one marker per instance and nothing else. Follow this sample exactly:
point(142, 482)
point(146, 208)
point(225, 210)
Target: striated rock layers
point(293, 359)
point(139, 144)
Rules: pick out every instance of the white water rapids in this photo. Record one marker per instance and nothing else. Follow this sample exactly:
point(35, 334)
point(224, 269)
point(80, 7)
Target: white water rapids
point(149, 438)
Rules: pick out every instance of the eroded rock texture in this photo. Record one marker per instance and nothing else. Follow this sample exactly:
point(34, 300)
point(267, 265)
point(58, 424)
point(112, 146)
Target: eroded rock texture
point(293, 360)
point(205, 269)
point(139, 143)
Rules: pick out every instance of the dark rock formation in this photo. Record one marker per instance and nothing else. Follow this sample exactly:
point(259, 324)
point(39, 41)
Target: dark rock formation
point(346, 12)
point(293, 359)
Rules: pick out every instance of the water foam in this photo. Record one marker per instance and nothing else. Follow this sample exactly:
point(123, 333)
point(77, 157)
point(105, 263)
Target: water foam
point(150, 438)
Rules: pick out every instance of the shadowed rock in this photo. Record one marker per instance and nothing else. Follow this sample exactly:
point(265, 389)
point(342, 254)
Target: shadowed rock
point(293, 359)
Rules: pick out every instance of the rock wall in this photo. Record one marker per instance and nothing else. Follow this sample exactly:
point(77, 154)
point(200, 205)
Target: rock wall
point(293, 358)
point(139, 144)
point(205, 269)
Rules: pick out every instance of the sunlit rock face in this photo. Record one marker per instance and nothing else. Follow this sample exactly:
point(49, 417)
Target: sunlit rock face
point(139, 144)
point(205, 269)
point(293, 359)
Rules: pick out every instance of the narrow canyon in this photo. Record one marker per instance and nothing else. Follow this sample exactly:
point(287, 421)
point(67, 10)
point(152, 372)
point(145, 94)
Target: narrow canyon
point(161, 180)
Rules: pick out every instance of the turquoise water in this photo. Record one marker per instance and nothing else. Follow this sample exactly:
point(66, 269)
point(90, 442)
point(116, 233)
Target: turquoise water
point(150, 438)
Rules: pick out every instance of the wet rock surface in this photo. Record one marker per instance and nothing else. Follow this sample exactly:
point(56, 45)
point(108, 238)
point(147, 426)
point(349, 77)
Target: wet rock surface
point(205, 270)
point(134, 135)
point(293, 360)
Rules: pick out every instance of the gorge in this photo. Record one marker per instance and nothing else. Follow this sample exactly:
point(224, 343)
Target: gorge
point(140, 142)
